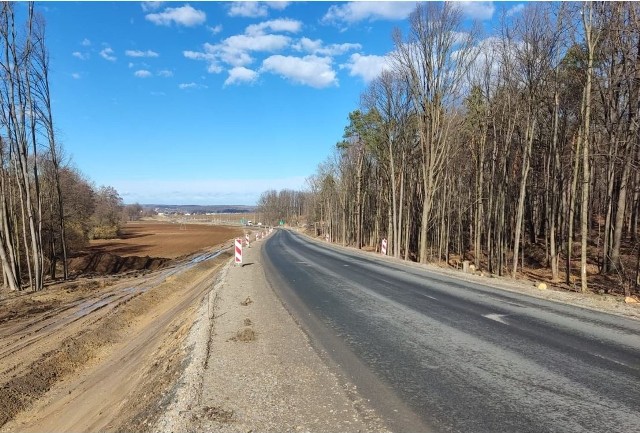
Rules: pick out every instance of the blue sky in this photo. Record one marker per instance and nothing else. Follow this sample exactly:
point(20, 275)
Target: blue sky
point(213, 103)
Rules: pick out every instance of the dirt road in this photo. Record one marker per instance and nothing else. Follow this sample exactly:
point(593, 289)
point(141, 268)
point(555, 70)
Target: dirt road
point(99, 356)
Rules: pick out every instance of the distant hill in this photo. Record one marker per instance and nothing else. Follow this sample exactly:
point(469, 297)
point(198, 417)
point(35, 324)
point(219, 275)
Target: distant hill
point(199, 209)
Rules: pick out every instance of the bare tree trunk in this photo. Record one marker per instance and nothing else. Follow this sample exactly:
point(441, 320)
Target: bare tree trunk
point(526, 156)
point(587, 19)
point(571, 217)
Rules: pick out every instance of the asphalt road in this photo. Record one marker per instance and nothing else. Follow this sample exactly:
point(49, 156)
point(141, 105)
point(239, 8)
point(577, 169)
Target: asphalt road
point(435, 353)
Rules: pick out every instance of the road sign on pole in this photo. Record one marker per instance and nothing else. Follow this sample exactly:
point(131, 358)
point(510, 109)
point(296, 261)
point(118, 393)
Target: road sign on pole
point(238, 251)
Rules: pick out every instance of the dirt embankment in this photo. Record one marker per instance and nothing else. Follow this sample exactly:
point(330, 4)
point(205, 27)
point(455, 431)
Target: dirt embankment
point(101, 353)
point(106, 263)
point(99, 359)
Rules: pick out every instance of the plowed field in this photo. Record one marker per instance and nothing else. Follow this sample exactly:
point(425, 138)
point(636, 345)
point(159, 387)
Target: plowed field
point(169, 240)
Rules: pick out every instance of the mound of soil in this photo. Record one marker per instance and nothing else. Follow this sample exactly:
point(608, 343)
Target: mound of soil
point(245, 335)
point(107, 263)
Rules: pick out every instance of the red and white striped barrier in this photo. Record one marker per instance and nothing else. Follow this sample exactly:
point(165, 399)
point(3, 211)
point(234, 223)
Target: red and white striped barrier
point(246, 239)
point(383, 247)
point(238, 251)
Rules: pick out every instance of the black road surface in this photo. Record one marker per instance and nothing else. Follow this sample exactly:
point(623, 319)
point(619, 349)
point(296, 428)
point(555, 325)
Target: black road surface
point(434, 353)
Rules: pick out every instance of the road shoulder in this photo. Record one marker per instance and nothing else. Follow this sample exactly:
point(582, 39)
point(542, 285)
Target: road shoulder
point(256, 370)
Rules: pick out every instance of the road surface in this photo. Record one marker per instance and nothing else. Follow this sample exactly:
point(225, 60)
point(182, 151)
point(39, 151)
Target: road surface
point(435, 353)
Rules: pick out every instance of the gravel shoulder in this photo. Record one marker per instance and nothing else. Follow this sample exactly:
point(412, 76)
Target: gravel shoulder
point(251, 367)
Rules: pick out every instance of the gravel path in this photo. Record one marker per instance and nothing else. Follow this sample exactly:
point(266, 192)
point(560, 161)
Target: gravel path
point(251, 368)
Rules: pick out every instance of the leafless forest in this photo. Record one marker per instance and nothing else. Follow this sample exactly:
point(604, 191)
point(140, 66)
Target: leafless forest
point(48, 209)
point(519, 147)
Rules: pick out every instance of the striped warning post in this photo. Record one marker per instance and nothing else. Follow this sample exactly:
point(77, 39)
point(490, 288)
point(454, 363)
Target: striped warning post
point(383, 248)
point(246, 239)
point(238, 251)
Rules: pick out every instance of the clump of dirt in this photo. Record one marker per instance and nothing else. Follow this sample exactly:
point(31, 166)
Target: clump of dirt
point(246, 301)
point(244, 335)
point(107, 263)
point(26, 307)
point(215, 413)
point(247, 322)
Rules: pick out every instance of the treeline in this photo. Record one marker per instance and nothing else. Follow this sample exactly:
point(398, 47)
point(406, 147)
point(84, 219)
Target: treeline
point(47, 208)
point(520, 146)
point(286, 205)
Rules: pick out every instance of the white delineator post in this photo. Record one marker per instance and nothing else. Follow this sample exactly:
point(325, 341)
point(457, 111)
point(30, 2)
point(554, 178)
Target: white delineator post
point(238, 251)
point(383, 248)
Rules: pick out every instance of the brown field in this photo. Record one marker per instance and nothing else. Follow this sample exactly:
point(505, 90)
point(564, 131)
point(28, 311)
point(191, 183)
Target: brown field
point(168, 240)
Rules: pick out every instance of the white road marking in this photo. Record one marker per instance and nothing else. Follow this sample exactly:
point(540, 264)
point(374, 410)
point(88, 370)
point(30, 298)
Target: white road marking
point(496, 317)
point(609, 359)
point(431, 297)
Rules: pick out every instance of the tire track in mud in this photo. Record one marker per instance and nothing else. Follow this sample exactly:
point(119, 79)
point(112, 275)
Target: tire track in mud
point(67, 339)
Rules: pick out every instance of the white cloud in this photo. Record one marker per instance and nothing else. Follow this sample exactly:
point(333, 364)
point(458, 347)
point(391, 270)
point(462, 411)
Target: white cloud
point(268, 43)
point(367, 67)
point(318, 47)
point(165, 73)
point(184, 15)
point(138, 53)
point(79, 55)
point(75, 76)
point(142, 73)
point(130, 65)
point(310, 70)
point(249, 9)
point(151, 6)
point(480, 10)
point(235, 50)
point(241, 74)
point(215, 29)
point(279, 25)
point(86, 42)
point(359, 11)
point(192, 85)
point(279, 5)
point(517, 9)
point(108, 54)
point(255, 9)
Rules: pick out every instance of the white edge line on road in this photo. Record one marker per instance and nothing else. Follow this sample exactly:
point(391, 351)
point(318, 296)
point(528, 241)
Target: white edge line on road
point(609, 359)
point(496, 317)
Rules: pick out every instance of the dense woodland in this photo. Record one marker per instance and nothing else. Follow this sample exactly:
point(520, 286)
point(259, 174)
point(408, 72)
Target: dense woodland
point(48, 210)
point(517, 147)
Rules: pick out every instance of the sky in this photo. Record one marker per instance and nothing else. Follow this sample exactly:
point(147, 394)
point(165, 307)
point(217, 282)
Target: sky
point(214, 102)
